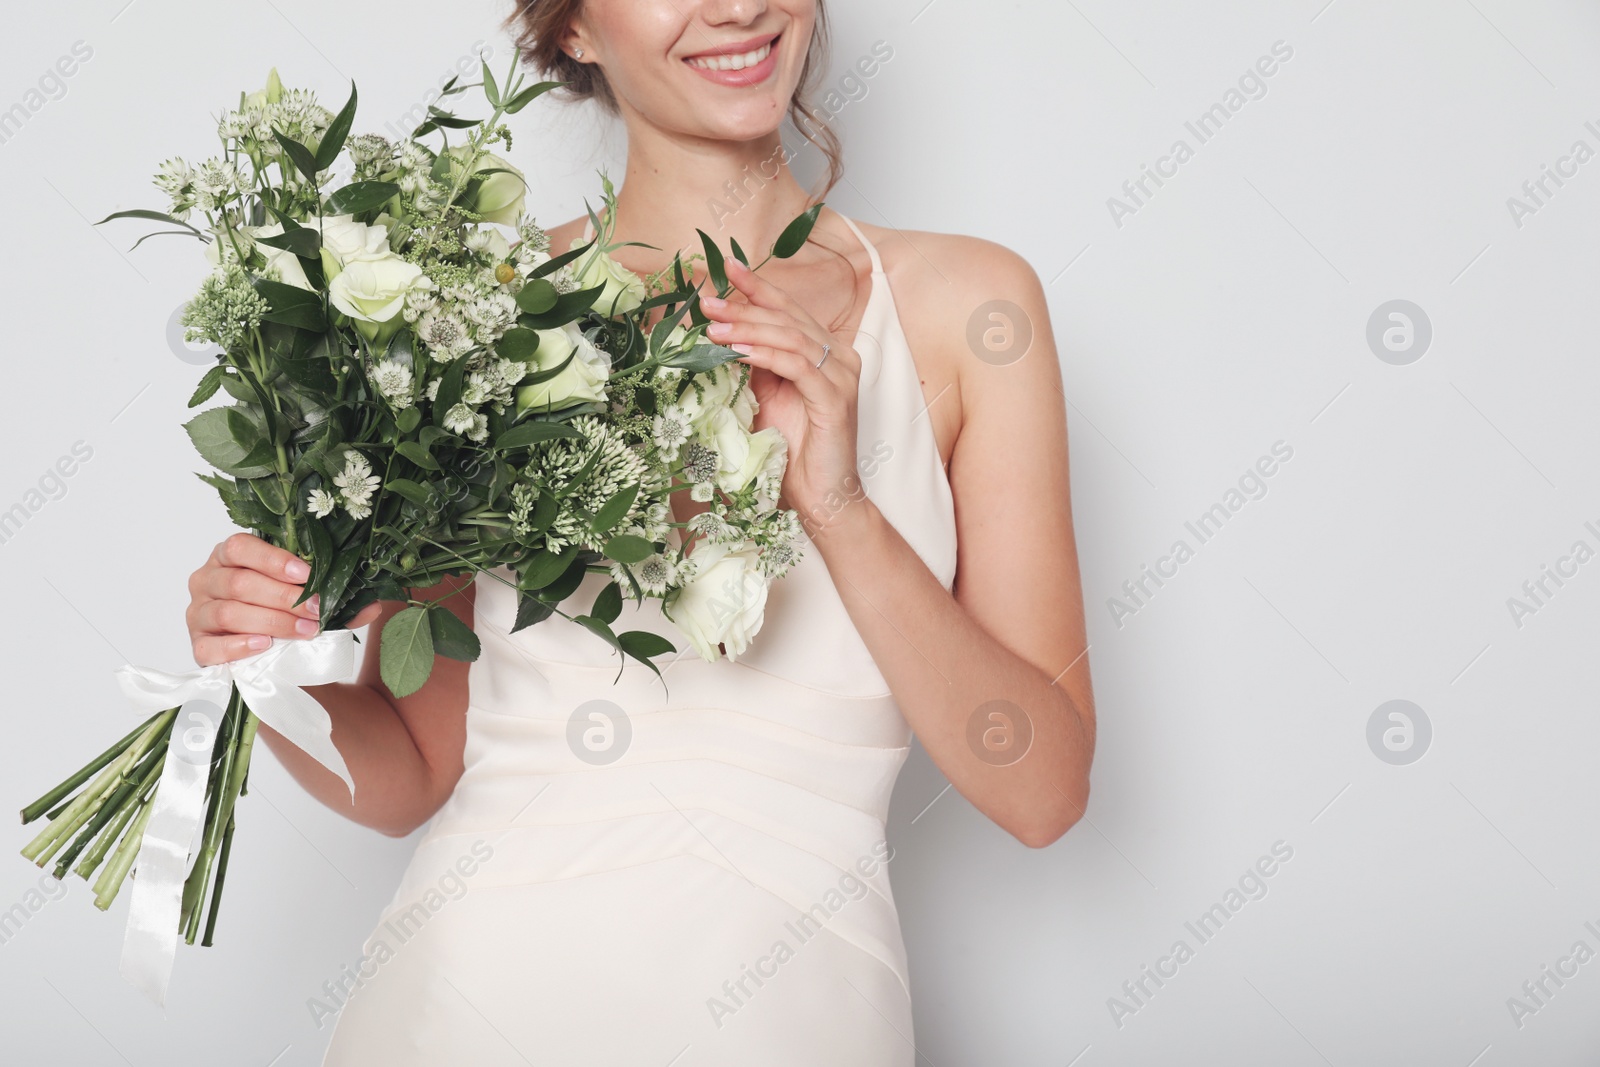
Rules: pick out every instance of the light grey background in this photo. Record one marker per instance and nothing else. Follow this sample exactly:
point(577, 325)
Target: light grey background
point(1229, 312)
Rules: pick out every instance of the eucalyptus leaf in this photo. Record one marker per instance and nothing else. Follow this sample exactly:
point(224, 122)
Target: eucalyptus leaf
point(333, 137)
point(629, 548)
point(527, 433)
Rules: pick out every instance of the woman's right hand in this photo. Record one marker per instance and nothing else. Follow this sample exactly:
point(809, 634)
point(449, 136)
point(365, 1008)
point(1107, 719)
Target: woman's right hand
point(244, 595)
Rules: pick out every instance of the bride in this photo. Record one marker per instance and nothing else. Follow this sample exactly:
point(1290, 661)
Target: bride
point(692, 870)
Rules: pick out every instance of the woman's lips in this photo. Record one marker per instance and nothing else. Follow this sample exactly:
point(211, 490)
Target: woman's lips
point(751, 65)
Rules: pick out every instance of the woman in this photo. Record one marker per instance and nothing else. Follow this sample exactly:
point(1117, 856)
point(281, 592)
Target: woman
point(633, 871)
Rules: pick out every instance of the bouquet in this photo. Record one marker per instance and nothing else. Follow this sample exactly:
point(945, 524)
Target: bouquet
point(417, 389)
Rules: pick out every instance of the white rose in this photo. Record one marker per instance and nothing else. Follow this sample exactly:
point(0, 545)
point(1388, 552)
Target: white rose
point(583, 379)
point(624, 290)
point(723, 603)
point(499, 197)
point(344, 240)
point(373, 293)
point(742, 455)
point(719, 389)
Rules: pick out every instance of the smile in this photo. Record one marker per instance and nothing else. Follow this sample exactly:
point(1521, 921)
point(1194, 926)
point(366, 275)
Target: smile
point(737, 64)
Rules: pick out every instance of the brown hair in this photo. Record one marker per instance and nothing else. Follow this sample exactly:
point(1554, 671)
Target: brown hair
point(540, 25)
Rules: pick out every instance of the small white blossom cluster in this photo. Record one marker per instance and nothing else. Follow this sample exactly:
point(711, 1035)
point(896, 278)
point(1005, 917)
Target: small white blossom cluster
point(355, 484)
point(582, 475)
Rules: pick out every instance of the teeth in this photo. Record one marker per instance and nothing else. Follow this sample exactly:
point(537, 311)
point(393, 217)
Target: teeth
point(739, 62)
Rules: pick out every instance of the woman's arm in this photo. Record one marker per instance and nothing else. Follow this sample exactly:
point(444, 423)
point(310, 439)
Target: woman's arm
point(404, 754)
point(1013, 631)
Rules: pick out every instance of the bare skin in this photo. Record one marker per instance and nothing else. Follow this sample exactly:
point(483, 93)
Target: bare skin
point(1013, 628)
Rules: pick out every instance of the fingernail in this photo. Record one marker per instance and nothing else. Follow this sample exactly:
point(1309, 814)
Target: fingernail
point(305, 626)
point(298, 570)
point(713, 302)
point(257, 642)
point(314, 604)
point(719, 329)
point(742, 349)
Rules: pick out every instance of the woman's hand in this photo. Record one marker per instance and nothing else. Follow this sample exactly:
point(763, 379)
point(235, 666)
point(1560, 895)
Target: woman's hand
point(813, 407)
point(244, 596)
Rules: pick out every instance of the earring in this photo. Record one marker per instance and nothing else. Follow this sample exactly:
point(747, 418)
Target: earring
point(577, 53)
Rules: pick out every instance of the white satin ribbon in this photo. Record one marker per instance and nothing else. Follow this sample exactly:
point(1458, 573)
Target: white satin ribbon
point(269, 682)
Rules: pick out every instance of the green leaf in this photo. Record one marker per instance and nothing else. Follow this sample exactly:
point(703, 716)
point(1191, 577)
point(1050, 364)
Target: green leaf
point(339, 576)
point(613, 510)
point(546, 567)
point(490, 89)
point(449, 393)
point(738, 253)
point(451, 636)
point(568, 583)
point(529, 95)
point(405, 651)
point(528, 433)
point(417, 454)
point(608, 605)
point(270, 492)
point(215, 442)
point(536, 296)
point(418, 494)
point(152, 216)
point(209, 383)
point(629, 548)
point(304, 161)
point(715, 265)
point(303, 241)
point(567, 307)
point(359, 197)
point(333, 138)
point(642, 644)
point(598, 627)
point(550, 266)
point(794, 235)
point(517, 343)
point(291, 305)
point(530, 610)
point(408, 420)
point(321, 557)
point(701, 358)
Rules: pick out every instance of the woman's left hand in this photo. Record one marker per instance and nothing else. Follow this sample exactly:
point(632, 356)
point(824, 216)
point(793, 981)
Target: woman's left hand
point(813, 407)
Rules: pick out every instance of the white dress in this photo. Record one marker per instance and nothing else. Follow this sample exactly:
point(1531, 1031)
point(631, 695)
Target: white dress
point(688, 875)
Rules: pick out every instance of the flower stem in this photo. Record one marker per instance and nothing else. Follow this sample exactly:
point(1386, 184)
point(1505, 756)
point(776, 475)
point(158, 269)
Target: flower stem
point(53, 836)
point(50, 799)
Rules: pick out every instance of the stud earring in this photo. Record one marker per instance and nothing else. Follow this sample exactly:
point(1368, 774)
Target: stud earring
point(577, 53)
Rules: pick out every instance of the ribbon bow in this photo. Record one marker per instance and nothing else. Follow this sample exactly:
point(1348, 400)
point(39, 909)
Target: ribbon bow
point(269, 683)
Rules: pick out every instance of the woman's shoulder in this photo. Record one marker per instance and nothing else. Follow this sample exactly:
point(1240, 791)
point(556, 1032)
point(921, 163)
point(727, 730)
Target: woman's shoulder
point(945, 278)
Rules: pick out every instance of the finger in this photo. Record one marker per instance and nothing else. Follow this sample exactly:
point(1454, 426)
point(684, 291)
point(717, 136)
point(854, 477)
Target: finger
point(757, 289)
point(786, 337)
point(724, 311)
point(237, 617)
point(248, 550)
point(364, 616)
point(225, 648)
point(253, 587)
point(815, 388)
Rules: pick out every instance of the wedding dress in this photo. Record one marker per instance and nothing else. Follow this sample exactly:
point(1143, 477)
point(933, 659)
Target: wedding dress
point(688, 871)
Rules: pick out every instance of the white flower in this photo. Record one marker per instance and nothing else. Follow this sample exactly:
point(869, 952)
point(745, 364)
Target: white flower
point(742, 455)
point(356, 484)
point(344, 240)
point(321, 503)
point(584, 379)
point(655, 573)
point(624, 290)
point(498, 197)
point(372, 292)
point(723, 603)
point(720, 389)
point(671, 428)
point(490, 243)
point(393, 380)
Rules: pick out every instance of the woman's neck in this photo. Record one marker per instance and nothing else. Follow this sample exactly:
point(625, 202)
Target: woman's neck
point(676, 185)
